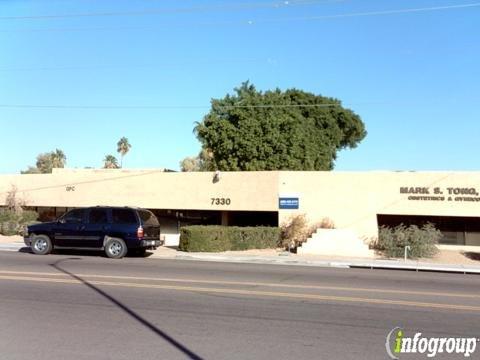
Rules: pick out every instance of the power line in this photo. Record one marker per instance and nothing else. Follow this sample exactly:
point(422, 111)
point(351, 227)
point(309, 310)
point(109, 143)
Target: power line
point(193, 107)
point(375, 13)
point(261, 21)
point(140, 66)
point(84, 182)
point(164, 107)
point(159, 11)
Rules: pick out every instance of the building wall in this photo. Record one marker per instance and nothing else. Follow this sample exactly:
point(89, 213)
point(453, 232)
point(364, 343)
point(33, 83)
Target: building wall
point(351, 199)
point(249, 191)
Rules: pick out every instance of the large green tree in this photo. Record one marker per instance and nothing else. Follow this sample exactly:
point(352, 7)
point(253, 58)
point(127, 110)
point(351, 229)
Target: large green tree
point(47, 161)
point(277, 130)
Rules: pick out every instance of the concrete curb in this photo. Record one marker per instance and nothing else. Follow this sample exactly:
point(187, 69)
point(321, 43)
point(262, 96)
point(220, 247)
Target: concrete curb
point(11, 246)
point(374, 264)
point(286, 260)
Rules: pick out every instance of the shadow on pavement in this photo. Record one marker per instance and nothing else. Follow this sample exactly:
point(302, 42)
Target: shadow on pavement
point(472, 255)
point(91, 253)
point(129, 311)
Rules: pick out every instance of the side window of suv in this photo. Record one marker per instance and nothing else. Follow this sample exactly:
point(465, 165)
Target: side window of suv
point(98, 216)
point(123, 216)
point(74, 216)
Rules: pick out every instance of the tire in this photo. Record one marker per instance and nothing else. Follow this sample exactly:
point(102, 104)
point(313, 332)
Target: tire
point(41, 245)
point(115, 248)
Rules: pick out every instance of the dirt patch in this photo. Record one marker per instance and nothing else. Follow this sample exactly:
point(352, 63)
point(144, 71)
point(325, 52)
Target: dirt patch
point(454, 257)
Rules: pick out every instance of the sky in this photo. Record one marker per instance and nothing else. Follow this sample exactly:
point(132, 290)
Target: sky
point(79, 74)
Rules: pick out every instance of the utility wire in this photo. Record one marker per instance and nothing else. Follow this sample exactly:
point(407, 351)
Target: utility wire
point(140, 66)
point(263, 21)
point(230, 7)
point(83, 182)
point(215, 106)
point(374, 13)
point(166, 107)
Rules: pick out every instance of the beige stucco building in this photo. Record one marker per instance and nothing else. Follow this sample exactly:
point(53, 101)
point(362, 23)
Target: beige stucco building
point(356, 201)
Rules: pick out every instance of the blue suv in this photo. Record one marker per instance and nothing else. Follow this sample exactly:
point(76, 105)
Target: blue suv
point(115, 230)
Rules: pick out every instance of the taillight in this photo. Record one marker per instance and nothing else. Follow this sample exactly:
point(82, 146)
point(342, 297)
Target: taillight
point(140, 232)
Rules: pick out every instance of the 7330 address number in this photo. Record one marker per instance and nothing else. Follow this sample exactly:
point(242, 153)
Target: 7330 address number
point(221, 201)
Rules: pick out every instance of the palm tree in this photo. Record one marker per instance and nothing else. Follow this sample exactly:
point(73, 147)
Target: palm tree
point(110, 162)
point(58, 158)
point(47, 161)
point(123, 146)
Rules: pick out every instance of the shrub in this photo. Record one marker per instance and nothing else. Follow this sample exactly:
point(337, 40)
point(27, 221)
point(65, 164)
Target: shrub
point(296, 230)
point(325, 223)
point(215, 238)
point(422, 240)
point(13, 222)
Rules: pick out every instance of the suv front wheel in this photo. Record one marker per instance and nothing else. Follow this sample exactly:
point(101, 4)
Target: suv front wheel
point(115, 248)
point(41, 245)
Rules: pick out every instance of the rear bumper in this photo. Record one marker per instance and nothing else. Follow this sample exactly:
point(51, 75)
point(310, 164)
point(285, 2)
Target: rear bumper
point(151, 244)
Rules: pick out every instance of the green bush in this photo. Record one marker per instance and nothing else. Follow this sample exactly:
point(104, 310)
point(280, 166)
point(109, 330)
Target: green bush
point(215, 238)
point(13, 222)
point(422, 240)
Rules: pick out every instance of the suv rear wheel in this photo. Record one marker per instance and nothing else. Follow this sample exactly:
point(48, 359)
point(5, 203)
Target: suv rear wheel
point(115, 248)
point(41, 245)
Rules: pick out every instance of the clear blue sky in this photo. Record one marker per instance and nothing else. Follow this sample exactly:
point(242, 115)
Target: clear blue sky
point(413, 77)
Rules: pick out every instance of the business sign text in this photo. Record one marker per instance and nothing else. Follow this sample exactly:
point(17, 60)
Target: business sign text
point(426, 193)
point(288, 203)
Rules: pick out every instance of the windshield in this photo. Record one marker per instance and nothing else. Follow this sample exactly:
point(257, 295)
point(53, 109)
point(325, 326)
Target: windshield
point(148, 218)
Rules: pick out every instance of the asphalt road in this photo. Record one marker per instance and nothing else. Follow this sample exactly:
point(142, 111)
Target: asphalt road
point(73, 306)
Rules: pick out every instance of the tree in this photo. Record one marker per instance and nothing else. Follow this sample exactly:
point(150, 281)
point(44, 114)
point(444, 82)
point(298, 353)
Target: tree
point(202, 162)
point(277, 130)
point(110, 162)
point(123, 146)
point(58, 159)
point(12, 201)
point(190, 163)
point(47, 161)
point(30, 170)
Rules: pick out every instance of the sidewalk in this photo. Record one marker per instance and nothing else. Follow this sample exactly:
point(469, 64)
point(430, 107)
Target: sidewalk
point(284, 258)
point(448, 261)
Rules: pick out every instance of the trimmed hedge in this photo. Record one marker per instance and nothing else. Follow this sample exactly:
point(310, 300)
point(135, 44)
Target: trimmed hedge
point(215, 238)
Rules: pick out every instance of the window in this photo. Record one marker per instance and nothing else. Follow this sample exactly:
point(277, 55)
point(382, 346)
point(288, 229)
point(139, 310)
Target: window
point(123, 216)
point(148, 218)
point(98, 216)
point(74, 216)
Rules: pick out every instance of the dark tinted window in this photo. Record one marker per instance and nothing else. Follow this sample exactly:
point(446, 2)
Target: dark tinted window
point(148, 218)
point(74, 216)
point(123, 216)
point(98, 216)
